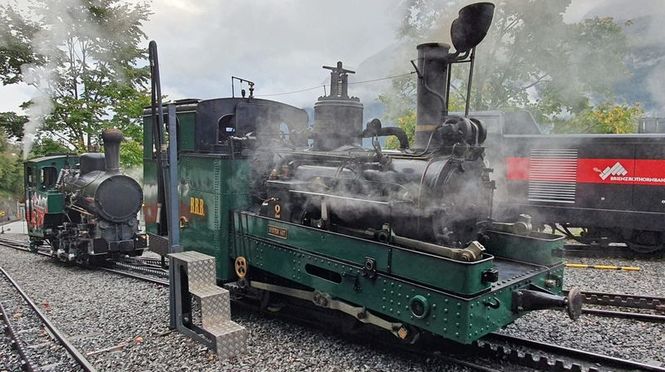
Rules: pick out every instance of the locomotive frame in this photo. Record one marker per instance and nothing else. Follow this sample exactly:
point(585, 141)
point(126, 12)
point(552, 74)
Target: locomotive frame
point(243, 191)
point(390, 282)
point(265, 194)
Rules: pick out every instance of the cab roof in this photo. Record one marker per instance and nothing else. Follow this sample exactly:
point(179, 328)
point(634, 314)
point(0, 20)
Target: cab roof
point(51, 158)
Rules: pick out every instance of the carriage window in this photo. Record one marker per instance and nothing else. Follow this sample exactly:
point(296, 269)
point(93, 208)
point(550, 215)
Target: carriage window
point(49, 176)
point(225, 128)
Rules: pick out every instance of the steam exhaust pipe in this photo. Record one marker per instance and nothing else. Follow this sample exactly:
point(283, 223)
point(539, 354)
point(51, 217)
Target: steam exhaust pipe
point(112, 138)
point(431, 105)
point(532, 299)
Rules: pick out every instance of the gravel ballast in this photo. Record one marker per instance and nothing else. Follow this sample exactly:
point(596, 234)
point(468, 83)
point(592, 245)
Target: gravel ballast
point(32, 337)
point(123, 324)
point(628, 339)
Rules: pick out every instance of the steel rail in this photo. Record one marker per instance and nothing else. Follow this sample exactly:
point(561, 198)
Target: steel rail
point(596, 251)
point(582, 355)
point(136, 276)
point(623, 300)
point(26, 362)
point(23, 247)
point(366, 338)
point(654, 318)
point(73, 351)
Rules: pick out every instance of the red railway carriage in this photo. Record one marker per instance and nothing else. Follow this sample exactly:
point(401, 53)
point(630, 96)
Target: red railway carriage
point(612, 186)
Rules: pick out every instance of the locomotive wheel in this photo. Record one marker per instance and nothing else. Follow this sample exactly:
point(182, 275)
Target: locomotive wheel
point(645, 242)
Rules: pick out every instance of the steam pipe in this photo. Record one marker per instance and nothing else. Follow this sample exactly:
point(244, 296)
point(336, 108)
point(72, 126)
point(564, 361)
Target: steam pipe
point(388, 131)
point(112, 138)
point(431, 104)
point(468, 87)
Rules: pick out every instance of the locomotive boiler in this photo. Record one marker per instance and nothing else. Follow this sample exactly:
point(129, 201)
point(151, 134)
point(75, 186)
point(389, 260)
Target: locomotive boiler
point(435, 197)
point(402, 239)
point(83, 206)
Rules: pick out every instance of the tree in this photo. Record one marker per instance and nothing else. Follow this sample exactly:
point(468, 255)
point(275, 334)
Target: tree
point(530, 59)
point(605, 118)
point(12, 124)
point(83, 57)
point(11, 168)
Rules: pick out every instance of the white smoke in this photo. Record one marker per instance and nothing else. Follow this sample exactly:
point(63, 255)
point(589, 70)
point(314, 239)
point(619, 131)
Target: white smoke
point(41, 105)
point(41, 77)
point(63, 21)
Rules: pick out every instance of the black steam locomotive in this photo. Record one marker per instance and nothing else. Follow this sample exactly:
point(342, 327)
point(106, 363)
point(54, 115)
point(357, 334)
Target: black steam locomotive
point(82, 206)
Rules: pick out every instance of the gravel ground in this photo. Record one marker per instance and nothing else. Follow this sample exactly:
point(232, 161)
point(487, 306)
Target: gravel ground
point(622, 338)
point(648, 281)
point(101, 311)
point(38, 345)
point(9, 357)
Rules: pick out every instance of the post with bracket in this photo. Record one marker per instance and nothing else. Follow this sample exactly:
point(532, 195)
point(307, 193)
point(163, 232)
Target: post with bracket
point(172, 209)
point(192, 275)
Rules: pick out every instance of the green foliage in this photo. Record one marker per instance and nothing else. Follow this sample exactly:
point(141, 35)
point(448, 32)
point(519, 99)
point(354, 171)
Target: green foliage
point(530, 58)
point(11, 168)
point(605, 119)
point(12, 124)
point(16, 49)
point(408, 123)
point(49, 146)
point(87, 53)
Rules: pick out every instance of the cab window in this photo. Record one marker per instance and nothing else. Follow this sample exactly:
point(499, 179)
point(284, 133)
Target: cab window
point(28, 175)
point(225, 128)
point(49, 177)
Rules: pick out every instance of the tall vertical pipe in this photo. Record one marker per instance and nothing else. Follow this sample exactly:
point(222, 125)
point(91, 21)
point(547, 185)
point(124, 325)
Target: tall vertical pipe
point(112, 138)
point(431, 90)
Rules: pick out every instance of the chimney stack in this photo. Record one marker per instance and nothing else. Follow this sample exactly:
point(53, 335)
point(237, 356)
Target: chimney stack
point(112, 138)
point(431, 106)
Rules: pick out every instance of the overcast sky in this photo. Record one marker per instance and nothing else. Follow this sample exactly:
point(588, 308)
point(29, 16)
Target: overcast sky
point(279, 44)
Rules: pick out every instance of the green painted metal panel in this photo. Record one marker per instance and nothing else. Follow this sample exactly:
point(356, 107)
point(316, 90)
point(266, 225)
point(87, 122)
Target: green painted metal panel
point(211, 186)
point(342, 247)
point(453, 276)
point(538, 248)
point(459, 319)
point(55, 202)
point(186, 131)
point(460, 277)
point(150, 195)
point(147, 138)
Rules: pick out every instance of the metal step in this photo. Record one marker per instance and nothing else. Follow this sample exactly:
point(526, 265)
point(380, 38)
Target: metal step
point(229, 338)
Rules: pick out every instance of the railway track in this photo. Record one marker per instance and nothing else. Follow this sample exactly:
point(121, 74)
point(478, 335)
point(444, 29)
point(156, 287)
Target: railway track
point(134, 267)
point(38, 343)
point(649, 308)
point(509, 351)
point(612, 251)
point(529, 353)
point(518, 351)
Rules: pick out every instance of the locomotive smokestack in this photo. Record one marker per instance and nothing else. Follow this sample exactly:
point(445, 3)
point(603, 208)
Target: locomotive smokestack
point(431, 90)
point(112, 138)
